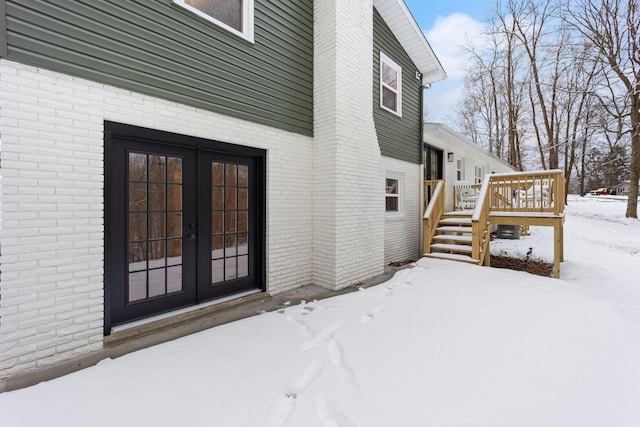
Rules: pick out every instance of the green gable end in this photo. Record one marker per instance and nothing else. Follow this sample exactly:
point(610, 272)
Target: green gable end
point(399, 137)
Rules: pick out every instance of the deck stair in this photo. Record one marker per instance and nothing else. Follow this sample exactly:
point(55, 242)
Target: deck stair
point(453, 238)
point(522, 199)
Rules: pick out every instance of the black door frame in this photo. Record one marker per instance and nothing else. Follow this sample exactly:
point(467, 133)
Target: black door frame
point(428, 150)
point(206, 290)
point(118, 131)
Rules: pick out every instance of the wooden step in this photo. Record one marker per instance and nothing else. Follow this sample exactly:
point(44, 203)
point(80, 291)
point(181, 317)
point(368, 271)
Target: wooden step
point(452, 257)
point(456, 220)
point(454, 229)
point(451, 247)
point(468, 213)
point(452, 238)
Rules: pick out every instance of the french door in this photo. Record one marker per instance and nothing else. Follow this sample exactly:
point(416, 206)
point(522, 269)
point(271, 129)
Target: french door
point(432, 163)
point(183, 224)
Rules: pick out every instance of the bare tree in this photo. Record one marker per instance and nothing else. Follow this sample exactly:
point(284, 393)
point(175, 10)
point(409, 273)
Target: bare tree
point(577, 107)
point(611, 28)
point(514, 87)
point(471, 113)
point(545, 43)
point(491, 110)
point(532, 85)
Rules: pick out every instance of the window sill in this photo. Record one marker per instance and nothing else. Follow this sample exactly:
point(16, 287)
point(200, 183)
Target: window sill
point(394, 216)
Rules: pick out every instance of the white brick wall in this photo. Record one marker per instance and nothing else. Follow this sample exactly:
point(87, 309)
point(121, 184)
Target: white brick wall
point(402, 232)
point(325, 195)
point(51, 198)
point(348, 183)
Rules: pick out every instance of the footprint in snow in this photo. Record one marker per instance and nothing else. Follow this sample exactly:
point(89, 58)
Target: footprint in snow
point(366, 317)
point(283, 407)
point(281, 307)
point(308, 376)
point(281, 410)
point(329, 414)
point(369, 315)
point(343, 372)
point(302, 326)
point(442, 346)
point(325, 335)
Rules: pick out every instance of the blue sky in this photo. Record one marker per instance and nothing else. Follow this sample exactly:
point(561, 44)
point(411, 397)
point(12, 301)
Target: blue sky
point(448, 24)
point(426, 12)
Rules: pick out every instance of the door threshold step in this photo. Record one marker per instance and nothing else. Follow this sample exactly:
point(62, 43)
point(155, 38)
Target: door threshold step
point(144, 326)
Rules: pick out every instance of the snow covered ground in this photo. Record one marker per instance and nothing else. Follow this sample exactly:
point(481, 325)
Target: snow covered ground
point(441, 344)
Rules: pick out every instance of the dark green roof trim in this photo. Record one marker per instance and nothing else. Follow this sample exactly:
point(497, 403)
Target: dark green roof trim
point(161, 49)
point(399, 137)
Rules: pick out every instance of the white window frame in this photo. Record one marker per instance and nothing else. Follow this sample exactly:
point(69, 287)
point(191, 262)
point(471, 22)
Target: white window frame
point(478, 175)
point(247, 18)
point(399, 177)
point(384, 59)
point(460, 176)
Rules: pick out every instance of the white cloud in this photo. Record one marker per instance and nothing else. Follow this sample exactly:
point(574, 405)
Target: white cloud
point(441, 100)
point(448, 97)
point(448, 37)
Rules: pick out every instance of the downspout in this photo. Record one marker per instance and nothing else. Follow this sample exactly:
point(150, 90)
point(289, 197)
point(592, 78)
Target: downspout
point(422, 198)
point(423, 87)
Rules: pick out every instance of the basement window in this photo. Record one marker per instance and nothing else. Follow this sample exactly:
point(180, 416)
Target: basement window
point(235, 16)
point(393, 193)
point(390, 85)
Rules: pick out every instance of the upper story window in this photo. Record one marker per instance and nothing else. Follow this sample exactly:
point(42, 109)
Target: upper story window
point(233, 15)
point(390, 85)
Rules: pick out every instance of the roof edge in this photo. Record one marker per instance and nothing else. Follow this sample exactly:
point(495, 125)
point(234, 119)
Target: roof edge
point(432, 127)
point(412, 39)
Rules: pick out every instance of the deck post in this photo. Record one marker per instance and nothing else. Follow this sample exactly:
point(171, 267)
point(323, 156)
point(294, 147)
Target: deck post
point(561, 232)
point(487, 254)
point(557, 249)
point(426, 239)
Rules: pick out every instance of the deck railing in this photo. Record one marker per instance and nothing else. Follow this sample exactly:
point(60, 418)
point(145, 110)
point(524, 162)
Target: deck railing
point(457, 198)
point(480, 225)
point(429, 189)
point(528, 192)
point(432, 214)
point(519, 198)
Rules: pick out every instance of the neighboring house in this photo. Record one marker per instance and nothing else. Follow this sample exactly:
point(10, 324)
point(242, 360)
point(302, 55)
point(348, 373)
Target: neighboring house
point(449, 155)
point(621, 189)
point(157, 155)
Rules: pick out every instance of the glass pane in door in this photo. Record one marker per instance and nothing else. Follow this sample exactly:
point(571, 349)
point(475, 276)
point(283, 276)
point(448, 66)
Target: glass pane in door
point(435, 165)
point(154, 221)
point(229, 221)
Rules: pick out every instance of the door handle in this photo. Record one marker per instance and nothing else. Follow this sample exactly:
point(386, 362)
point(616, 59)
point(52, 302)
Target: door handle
point(191, 236)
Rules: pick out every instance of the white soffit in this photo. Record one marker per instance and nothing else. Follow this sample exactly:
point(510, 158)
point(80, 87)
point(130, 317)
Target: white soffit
point(441, 133)
point(401, 22)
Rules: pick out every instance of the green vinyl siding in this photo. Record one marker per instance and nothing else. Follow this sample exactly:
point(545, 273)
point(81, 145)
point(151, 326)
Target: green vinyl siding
point(398, 137)
point(160, 49)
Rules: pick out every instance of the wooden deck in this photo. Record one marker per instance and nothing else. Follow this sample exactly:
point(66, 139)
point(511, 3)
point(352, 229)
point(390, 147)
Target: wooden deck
point(524, 199)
